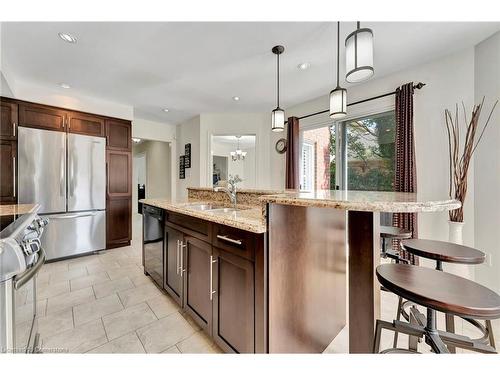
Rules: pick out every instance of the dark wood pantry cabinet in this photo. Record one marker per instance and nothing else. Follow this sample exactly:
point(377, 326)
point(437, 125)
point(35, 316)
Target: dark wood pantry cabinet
point(119, 183)
point(216, 274)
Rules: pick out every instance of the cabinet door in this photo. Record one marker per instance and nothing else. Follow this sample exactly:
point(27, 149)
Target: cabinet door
point(81, 123)
point(197, 277)
point(8, 177)
point(119, 174)
point(8, 120)
point(173, 272)
point(118, 222)
point(233, 302)
point(42, 117)
point(119, 135)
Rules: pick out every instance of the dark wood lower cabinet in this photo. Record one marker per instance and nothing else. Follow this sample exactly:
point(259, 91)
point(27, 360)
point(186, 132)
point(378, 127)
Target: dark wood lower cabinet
point(197, 281)
point(233, 302)
point(118, 222)
point(8, 168)
point(174, 247)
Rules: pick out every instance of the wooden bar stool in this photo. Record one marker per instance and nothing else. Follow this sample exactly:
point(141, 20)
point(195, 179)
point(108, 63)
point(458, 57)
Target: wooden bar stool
point(387, 235)
point(448, 252)
point(437, 291)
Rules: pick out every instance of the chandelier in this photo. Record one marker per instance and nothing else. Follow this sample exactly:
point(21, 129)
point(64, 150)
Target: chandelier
point(238, 154)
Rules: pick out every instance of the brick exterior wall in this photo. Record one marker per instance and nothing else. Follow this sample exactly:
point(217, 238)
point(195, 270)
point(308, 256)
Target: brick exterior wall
point(321, 139)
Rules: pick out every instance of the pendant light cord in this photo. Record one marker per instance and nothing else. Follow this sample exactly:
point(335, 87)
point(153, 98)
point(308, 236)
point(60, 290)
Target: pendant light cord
point(338, 51)
point(278, 79)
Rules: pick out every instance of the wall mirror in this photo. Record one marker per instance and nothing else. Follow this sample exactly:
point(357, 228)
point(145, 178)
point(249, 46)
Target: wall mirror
point(233, 155)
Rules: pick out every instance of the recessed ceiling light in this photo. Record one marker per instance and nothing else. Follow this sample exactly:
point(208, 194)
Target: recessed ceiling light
point(236, 98)
point(67, 37)
point(304, 66)
point(165, 110)
point(64, 85)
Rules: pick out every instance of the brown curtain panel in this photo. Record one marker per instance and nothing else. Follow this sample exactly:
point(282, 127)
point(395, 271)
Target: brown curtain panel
point(405, 176)
point(292, 154)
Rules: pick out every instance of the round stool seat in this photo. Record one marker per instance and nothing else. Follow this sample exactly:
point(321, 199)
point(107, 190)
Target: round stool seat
point(443, 251)
point(394, 232)
point(440, 291)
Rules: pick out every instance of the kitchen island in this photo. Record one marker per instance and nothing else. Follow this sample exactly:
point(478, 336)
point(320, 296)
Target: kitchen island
point(307, 277)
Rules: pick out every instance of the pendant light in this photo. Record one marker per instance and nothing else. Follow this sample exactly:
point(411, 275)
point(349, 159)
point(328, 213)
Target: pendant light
point(338, 96)
point(278, 115)
point(359, 55)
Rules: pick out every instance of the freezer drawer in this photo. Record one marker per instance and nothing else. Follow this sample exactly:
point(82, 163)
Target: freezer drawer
point(74, 233)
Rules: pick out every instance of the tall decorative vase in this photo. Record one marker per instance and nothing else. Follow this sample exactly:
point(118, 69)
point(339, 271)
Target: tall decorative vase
point(455, 232)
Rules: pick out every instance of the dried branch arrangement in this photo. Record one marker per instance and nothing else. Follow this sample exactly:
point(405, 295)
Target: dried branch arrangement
point(460, 158)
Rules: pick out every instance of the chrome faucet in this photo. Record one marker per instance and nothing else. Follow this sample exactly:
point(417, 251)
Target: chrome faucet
point(231, 188)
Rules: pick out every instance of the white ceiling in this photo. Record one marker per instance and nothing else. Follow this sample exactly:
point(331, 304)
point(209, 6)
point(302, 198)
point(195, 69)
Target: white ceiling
point(197, 67)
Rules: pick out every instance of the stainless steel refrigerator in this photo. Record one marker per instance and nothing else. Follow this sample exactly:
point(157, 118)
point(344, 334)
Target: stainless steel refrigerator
point(66, 175)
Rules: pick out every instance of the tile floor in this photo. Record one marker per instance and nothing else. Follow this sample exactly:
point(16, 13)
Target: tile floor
point(104, 303)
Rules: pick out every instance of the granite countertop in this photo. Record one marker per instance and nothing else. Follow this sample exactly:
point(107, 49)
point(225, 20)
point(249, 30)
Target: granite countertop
point(17, 209)
point(249, 218)
point(364, 201)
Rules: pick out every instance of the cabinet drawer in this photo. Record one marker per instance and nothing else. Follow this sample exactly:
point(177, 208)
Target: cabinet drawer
point(235, 241)
point(192, 226)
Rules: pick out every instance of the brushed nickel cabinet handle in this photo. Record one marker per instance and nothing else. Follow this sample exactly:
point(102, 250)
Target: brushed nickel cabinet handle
point(14, 129)
point(226, 238)
point(182, 246)
point(14, 174)
point(212, 291)
point(177, 257)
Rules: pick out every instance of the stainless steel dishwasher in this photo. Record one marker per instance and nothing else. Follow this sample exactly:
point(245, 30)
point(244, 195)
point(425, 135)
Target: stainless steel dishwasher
point(153, 243)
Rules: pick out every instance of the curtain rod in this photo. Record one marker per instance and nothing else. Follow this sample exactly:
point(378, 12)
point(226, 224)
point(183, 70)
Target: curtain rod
point(417, 86)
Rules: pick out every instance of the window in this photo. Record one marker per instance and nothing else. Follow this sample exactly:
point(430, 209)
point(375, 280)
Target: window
point(368, 152)
point(307, 175)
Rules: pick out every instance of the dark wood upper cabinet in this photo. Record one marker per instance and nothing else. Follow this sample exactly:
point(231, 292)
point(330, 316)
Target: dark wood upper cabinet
point(42, 117)
point(233, 302)
point(197, 262)
point(8, 175)
point(81, 123)
point(118, 135)
point(118, 222)
point(119, 174)
point(8, 120)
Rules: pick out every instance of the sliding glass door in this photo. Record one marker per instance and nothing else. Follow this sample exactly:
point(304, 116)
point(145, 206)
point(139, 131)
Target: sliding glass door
point(366, 152)
point(356, 154)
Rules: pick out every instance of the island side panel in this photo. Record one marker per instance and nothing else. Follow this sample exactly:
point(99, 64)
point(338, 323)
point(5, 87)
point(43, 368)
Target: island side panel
point(306, 278)
point(364, 289)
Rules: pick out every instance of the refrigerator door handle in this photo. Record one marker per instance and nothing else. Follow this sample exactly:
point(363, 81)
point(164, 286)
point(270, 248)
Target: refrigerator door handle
point(62, 188)
point(86, 214)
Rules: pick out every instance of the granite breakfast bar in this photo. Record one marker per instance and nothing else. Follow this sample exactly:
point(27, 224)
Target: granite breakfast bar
point(308, 280)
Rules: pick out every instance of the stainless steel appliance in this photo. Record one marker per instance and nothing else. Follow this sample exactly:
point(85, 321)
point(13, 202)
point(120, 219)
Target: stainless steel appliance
point(66, 175)
point(153, 228)
point(21, 257)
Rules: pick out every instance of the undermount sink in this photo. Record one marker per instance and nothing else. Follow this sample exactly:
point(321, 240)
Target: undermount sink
point(212, 208)
point(203, 207)
point(225, 210)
